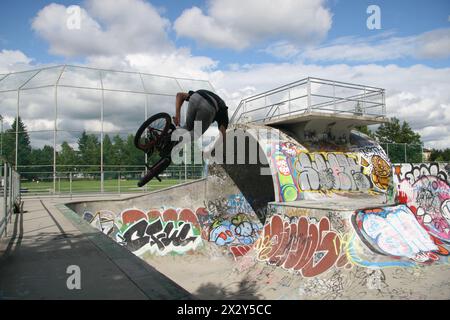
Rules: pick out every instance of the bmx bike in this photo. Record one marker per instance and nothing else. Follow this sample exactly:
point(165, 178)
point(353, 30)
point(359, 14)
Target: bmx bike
point(154, 136)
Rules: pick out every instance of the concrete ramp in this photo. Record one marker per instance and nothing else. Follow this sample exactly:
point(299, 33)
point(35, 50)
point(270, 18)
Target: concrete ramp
point(325, 223)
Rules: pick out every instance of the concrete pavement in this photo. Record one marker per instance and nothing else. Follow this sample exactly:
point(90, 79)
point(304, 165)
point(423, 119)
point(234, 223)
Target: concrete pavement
point(43, 242)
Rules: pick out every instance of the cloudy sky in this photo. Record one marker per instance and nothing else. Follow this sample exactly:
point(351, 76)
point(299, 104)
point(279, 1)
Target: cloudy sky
point(244, 47)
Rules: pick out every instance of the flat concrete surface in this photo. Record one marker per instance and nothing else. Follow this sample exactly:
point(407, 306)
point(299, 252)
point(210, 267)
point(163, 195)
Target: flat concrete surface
point(43, 242)
point(327, 114)
point(352, 202)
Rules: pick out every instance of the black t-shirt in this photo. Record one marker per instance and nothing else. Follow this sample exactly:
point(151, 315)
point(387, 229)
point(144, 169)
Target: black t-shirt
point(213, 99)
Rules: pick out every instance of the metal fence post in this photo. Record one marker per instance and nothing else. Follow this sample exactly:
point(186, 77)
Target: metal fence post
point(5, 194)
point(289, 102)
point(406, 158)
point(118, 181)
point(11, 200)
point(334, 96)
point(308, 88)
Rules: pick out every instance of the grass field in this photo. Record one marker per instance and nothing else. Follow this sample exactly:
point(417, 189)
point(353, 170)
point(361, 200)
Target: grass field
point(83, 186)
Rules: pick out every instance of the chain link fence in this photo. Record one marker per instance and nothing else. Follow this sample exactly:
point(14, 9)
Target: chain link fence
point(404, 153)
point(115, 180)
point(10, 194)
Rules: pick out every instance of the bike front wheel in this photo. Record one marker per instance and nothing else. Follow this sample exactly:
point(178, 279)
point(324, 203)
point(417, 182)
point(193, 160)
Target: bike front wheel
point(152, 131)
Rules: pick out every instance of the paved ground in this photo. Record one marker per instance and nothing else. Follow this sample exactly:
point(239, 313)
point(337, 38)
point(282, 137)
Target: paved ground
point(42, 243)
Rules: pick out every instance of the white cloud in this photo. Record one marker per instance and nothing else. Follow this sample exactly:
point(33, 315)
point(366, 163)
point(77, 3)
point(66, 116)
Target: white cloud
point(417, 94)
point(178, 63)
point(107, 27)
point(239, 24)
point(282, 49)
point(433, 44)
point(13, 60)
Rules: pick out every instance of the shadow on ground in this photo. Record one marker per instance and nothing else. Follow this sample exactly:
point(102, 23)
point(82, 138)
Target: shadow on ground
point(246, 290)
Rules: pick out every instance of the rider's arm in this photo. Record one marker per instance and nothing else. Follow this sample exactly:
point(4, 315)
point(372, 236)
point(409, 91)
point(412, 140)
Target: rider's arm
point(180, 98)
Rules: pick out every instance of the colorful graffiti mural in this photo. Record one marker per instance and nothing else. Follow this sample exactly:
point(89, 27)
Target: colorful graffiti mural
point(417, 229)
point(239, 229)
point(172, 231)
point(426, 195)
point(299, 171)
point(381, 172)
point(102, 220)
point(330, 171)
point(230, 222)
point(413, 171)
point(395, 231)
point(298, 244)
point(408, 234)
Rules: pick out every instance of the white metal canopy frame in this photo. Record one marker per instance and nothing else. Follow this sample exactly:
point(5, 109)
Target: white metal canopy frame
point(57, 103)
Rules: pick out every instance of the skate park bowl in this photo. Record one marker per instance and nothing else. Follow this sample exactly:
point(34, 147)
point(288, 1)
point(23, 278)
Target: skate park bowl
point(313, 209)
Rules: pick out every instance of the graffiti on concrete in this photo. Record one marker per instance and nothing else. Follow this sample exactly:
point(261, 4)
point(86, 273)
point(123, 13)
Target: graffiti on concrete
point(102, 220)
point(173, 231)
point(395, 231)
point(376, 162)
point(413, 172)
point(176, 231)
point(370, 150)
point(240, 250)
point(381, 172)
point(237, 230)
point(424, 188)
point(428, 199)
point(310, 248)
point(330, 171)
point(236, 203)
point(233, 204)
point(298, 171)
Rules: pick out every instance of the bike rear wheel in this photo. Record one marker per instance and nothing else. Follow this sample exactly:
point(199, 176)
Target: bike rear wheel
point(152, 131)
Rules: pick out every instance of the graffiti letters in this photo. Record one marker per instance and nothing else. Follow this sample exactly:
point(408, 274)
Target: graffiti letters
point(102, 220)
point(394, 231)
point(169, 232)
point(162, 236)
point(428, 199)
point(413, 172)
point(239, 229)
point(334, 172)
point(298, 244)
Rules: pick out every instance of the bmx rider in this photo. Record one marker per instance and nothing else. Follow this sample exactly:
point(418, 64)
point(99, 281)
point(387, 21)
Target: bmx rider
point(204, 106)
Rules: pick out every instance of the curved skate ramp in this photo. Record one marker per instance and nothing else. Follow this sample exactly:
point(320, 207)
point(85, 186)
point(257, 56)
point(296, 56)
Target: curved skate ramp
point(332, 225)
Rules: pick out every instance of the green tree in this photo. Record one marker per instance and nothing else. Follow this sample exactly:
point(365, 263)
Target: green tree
point(118, 151)
point(42, 161)
point(133, 156)
point(440, 155)
point(394, 132)
point(89, 150)
point(9, 144)
point(108, 156)
point(67, 157)
point(400, 141)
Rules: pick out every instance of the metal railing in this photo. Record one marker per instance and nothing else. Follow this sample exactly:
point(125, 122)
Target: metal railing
point(114, 181)
point(312, 94)
point(10, 194)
